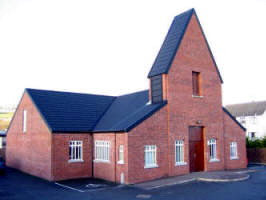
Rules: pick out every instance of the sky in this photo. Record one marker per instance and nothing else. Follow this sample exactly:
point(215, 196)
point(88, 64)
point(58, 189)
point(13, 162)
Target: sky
point(108, 47)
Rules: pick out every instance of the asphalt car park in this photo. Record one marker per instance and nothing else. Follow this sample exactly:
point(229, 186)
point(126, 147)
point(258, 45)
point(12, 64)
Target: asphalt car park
point(18, 185)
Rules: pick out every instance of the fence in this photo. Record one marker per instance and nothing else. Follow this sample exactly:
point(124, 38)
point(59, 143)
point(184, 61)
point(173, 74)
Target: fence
point(256, 155)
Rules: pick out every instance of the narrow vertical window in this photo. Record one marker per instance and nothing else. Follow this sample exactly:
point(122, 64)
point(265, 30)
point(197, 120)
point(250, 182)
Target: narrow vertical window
point(75, 151)
point(212, 150)
point(121, 154)
point(195, 84)
point(24, 121)
point(150, 157)
point(179, 152)
point(233, 150)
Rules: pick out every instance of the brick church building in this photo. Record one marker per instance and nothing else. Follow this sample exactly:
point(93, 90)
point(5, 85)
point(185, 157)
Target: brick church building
point(176, 127)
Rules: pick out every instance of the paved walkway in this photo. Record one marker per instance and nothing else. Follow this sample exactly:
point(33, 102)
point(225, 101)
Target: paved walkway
point(217, 176)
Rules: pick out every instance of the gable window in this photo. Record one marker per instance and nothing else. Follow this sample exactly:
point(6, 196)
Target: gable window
point(24, 121)
point(121, 154)
point(102, 151)
point(212, 143)
point(150, 158)
point(179, 152)
point(195, 83)
point(75, 151)
point(233, 150)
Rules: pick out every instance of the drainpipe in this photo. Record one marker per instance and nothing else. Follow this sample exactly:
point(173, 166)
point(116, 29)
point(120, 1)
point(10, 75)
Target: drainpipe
point(92, 155)
point(115, 155)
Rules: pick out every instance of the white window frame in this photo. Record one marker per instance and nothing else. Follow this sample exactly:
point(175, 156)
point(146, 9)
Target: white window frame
point(24, 121)
point(102, 151)
point(150, 156)
point(233, 151)
point(179, 152)
point(75, 151)
point(121, 154)
point(212, 144)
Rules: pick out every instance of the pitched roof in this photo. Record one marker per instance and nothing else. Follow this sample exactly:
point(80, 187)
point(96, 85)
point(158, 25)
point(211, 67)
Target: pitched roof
point(75, 112)
point(247, 109)
point(172, 42)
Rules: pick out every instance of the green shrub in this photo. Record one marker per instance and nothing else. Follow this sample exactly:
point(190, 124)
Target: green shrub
point(258, 143)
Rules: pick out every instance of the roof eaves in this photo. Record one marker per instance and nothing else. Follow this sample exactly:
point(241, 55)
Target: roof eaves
point(233, 118)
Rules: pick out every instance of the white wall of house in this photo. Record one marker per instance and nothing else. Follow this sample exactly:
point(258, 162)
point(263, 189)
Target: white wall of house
point(255, 125)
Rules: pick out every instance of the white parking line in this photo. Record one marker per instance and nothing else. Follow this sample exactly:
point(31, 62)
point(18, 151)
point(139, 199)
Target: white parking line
point(71, 188)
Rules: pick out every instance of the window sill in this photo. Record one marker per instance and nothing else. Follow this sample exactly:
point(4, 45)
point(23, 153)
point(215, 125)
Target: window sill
point(121, 162)
point(214, 160)
point(101, 161)
point(180, 163)
point(234, 158)
point(150, 166)
point(75, 161)
point(196, 96)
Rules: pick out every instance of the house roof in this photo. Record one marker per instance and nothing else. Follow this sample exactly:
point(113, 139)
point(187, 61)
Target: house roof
point(247, 109)
point(75, 112)
point(172, 42)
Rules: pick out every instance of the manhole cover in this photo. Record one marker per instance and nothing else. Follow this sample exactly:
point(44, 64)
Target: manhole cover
point(143, 196)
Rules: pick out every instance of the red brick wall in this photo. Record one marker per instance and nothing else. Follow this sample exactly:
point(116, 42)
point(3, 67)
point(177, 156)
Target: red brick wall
point(30, 151)
point(185, 110)
point(233, 133)
point(61, 166)
point(153, 131)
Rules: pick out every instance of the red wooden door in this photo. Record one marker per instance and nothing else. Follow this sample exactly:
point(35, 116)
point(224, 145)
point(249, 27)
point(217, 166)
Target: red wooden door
point(196, 149)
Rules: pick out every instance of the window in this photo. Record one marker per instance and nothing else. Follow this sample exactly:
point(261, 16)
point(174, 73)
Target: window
point(233, 150)
point(195, 84)
point(102, 151)
point(252, 135)
point(150, 156)
point(121, 154)
point(75, 151)
point(179, 152)
point(24, 121)
point(212, 149)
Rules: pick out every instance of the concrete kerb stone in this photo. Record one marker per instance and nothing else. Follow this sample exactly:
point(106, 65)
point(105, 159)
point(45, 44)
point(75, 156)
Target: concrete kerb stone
point(206, 177)
point(224, 180)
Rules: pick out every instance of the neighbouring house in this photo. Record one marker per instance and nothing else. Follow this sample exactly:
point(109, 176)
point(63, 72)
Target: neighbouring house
point(2, 144)
point(176, 127)
point(252, 116)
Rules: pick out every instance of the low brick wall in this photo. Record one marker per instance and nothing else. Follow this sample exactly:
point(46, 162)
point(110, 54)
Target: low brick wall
point(256, 155)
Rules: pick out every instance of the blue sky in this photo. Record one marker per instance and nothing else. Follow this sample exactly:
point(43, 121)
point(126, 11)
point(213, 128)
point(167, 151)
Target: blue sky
point(108, 47)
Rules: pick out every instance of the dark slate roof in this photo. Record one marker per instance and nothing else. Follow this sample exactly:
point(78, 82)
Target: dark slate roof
point(70, 112)
point(233, 118)
point(74, 112)
point(172, 42)
point(126, 111)
point(247, 109)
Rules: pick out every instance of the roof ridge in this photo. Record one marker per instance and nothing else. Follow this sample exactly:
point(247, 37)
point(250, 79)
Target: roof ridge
point(133, 93)
point(44, 90)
